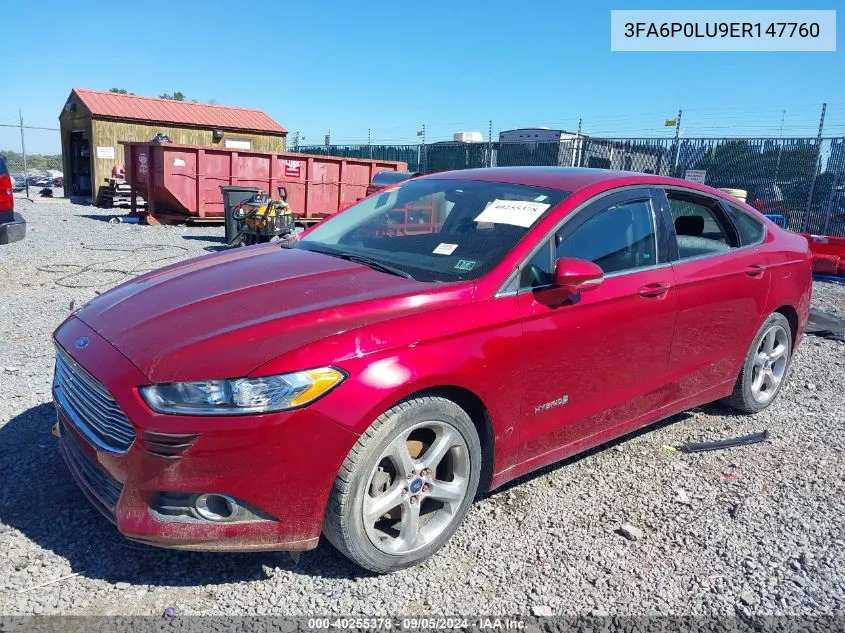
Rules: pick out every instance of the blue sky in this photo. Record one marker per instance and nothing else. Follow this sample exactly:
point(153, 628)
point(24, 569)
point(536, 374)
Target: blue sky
point(390, 67)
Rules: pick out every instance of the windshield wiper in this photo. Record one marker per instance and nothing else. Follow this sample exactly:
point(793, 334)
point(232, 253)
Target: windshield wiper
point(372, 263)
point(376, 265)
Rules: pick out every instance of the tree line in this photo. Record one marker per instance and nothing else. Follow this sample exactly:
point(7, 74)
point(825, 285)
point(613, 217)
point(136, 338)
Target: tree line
point(34, 162)
point(176, 95)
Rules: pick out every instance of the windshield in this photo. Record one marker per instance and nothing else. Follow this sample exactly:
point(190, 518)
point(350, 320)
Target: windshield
point(435, 230)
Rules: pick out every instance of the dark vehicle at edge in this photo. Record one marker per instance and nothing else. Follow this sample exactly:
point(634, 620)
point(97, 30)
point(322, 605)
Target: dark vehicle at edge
point(12, 225)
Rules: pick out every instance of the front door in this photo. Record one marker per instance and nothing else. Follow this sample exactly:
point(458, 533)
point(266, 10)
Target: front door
point(600, 360)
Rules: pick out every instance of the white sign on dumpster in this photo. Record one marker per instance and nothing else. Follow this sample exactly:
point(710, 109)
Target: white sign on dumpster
point(106, 153)
point(293, 169)
point(696, 175)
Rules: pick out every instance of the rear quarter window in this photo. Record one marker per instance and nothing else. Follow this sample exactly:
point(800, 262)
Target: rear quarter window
point(751, 230)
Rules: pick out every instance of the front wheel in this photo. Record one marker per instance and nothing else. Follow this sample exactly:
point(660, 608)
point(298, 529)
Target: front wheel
point(765, 366)
point(405, 486)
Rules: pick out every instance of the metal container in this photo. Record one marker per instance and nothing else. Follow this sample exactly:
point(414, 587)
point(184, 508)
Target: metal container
point(233, 196)
point(182, 182)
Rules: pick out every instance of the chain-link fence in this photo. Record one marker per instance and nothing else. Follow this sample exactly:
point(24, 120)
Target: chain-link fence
point(26, 151)
point(802, 179)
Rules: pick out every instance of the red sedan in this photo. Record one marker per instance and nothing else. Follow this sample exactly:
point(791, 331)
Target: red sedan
point(369, 380)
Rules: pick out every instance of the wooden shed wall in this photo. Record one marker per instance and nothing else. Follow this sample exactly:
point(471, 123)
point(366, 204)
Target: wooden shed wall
point(108, 133)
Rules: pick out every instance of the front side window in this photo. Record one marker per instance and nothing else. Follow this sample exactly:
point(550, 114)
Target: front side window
point(435, 230)
point(537, 272)
point(700, 225)
point(619, 238)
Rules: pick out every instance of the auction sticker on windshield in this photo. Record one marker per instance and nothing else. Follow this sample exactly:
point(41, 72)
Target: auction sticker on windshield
point(515, 212)
point(445, 249)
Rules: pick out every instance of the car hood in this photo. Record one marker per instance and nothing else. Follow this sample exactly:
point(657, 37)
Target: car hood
point(223, 315)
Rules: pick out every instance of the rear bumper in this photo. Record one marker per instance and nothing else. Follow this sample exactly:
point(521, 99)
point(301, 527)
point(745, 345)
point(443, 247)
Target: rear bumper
point(13, 230)
point(283, 465)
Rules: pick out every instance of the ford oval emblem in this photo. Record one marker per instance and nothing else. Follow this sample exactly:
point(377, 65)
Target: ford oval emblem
point(82, 341)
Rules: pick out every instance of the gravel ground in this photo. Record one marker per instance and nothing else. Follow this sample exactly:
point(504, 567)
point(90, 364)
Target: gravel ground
point(755, 530)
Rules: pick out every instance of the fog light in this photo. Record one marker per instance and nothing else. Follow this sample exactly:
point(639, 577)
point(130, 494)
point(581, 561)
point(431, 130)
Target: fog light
point(214, 507)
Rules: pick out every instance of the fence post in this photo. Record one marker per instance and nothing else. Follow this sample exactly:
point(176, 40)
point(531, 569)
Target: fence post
point(576, 147)
point(23, 151)
point(490, 143)
point(814, 165)
point(677, 144)
point(422, 151)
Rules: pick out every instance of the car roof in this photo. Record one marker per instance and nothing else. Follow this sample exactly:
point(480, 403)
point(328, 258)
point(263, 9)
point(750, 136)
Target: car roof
point(569, 179)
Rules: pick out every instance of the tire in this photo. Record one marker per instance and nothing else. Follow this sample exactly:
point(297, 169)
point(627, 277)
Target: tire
point(754, 392)
point(373, 480)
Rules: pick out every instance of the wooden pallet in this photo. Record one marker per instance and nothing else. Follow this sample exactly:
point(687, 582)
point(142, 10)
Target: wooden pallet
point(118, 194)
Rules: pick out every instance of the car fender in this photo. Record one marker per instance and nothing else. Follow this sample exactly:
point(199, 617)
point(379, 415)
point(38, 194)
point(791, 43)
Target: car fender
point(474, 347)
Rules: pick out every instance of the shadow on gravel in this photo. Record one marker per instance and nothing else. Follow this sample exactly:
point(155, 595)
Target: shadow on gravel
point(206, 238)
point(220, 241)
point(40, 499)
point(101, 218)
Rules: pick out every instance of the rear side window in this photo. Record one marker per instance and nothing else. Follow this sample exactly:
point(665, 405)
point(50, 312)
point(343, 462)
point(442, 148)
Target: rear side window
point(701, 226)
point(2, 165)
point(751, 230)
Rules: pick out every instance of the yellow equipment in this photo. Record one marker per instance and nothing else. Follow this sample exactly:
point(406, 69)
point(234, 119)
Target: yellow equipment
point(263, 218)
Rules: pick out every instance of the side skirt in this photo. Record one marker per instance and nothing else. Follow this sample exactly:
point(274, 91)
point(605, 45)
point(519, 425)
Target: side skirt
point(579, 446)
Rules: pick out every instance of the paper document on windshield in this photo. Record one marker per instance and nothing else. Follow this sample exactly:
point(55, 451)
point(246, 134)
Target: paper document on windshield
point(515, 212)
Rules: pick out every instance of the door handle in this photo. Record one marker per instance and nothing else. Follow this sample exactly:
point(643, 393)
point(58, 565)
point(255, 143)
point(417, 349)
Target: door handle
point(755, 270)
point(654, 290)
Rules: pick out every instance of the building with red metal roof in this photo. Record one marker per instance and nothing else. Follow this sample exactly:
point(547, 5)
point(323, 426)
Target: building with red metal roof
point(94, 123)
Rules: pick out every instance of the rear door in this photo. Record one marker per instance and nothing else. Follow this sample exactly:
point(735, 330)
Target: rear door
point(722, 285)
point(599, 360)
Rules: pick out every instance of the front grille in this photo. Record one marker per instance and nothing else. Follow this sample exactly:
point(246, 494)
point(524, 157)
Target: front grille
point(90, 406)
point(98, 482)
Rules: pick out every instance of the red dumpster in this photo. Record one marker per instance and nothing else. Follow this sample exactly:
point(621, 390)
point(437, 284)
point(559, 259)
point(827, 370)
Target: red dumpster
point(828, 254)
point(182, 182)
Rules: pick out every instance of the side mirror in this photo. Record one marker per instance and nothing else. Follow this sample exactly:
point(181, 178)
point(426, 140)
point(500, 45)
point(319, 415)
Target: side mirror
point(283, 194)
point(576, 275)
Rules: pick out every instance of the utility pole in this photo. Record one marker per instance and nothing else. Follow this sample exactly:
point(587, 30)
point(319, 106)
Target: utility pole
point(370, 141)
point(576, 147)
point(677, 141)
point(23, 150)
point(815, 167)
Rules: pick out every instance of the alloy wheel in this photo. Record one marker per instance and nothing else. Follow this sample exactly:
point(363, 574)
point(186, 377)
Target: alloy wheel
point(769, 365)
point(417, 488)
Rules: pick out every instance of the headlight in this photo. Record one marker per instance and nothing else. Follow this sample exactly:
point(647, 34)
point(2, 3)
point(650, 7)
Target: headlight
point(242, 395)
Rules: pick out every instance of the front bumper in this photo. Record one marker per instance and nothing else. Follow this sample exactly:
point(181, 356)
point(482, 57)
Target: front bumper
point(283, 465)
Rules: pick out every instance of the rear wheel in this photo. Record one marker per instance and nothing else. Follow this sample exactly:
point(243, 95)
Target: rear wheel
point(405, 486)
point(765, 367)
